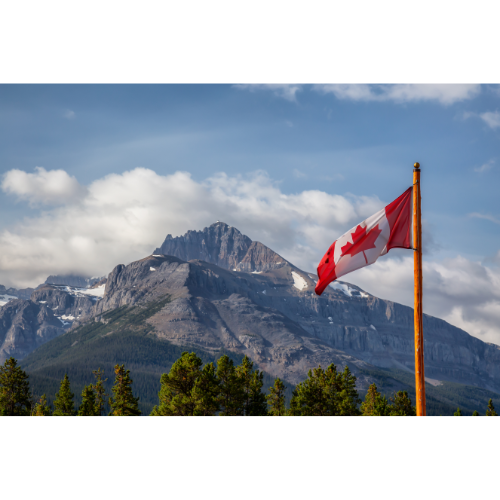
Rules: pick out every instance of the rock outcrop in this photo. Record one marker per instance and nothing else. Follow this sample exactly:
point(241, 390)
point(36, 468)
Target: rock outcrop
point(224, 246)
point(228, 292)
point(277, 320)
point(25, 325)
point(73, 280)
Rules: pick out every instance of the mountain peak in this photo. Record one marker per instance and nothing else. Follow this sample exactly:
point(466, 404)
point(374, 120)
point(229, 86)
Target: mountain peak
point(224, 246)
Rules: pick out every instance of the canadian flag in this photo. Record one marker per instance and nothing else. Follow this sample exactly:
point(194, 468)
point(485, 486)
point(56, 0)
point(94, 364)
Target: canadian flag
point(365, 243)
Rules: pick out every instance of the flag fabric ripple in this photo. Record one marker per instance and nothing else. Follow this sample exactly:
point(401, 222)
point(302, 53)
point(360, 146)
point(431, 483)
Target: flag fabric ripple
point(389, 228)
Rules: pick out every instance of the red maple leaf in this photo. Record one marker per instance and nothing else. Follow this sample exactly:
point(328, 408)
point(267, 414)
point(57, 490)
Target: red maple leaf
point(361, 241)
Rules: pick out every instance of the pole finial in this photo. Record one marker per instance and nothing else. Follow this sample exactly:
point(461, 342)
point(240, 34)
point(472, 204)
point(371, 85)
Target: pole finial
point(416, 165)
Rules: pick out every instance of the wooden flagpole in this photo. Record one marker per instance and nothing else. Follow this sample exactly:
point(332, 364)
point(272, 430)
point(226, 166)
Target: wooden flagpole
point(417, 262)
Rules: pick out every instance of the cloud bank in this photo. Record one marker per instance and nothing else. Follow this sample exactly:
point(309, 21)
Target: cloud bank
point(54, 187)
point(400, 93)
point(123, 217)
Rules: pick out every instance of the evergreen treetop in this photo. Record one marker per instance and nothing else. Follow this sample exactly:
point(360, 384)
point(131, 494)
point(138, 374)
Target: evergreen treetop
point(325, 392)
point(375, 405)
point(122, 402)
point(253, 400)
point(99, 391)
point(14, 390)
point(42, 409)
point(401, 405)
point(490, 412)
point(177, 395)
point(64, 405)
point(88, 407)
point(276, 399)
point(231, 393)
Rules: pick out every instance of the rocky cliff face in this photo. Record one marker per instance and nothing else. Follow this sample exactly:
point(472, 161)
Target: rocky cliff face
point(73, 280)
point(224, 246)
point(240, 295)
point(50, 311)
point(276, 319)
point(24, 325)
point(7, 293)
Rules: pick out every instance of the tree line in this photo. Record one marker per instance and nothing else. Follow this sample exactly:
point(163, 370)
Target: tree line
point(191, 388)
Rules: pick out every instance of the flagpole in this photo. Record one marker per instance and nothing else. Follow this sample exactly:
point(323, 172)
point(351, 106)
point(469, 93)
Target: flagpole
point(417, 271)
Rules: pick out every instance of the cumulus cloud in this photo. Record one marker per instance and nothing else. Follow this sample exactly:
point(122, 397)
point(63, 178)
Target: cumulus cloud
point(491, 118)
point(485, 166)
point(54, 187)
point(402, 93)
point(285, 91)
point(491, 218)
point(462, 292)
point(123, 217)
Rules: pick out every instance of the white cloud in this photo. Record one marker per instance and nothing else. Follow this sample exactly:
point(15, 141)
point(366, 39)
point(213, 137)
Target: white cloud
point(462, 292)
point(53, 187)
point(298, 174)
point(485, 166)
point(491, 118)
point(486, 217)
point(401, 93)
point(123, 217)
point(285, 91)
point(69, 114)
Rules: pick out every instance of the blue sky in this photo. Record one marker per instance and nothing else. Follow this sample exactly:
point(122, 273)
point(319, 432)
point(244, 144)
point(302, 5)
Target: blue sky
point(316, 141)
point(352, 142)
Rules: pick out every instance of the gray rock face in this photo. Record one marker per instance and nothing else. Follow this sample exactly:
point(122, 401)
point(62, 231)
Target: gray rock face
point(73, 280)
point(276, 319)
point(25, 325)
point(240, 295)
point(22, 293)
point(67, 306)
point(224, 246)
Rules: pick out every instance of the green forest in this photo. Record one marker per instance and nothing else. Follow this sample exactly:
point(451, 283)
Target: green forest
point(195, 388)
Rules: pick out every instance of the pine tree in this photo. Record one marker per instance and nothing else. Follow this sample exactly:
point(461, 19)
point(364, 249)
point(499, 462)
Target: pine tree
point(490, 412)
point(100, 392)
point(176, 392)
point(258, 402)
point(63, 404)
point(14, 390)
point(123, 402)
point(475, 414)
point(206, 392)
point(375, 405)
point(348, 395)
point(458, 413)
point(42, 409)
point(276, 399)
point(231, 392)
point(325, 392)
point(88, 407)
point(401, 405)
point(253, 399)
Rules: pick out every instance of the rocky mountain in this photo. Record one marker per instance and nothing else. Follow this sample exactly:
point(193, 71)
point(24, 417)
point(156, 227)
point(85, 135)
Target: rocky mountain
point(74, 280)
point(25, 325)
point(61, 305)
point(246, 299)
point(224, 246)
point(7, 294)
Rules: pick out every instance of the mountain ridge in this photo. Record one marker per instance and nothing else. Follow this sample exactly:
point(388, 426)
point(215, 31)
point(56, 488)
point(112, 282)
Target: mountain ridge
point(249, 300)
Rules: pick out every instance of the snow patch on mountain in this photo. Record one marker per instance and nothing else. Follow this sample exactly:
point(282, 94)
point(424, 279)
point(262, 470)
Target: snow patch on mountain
point(6, 298)
point(298, 281)
point(97, 292)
